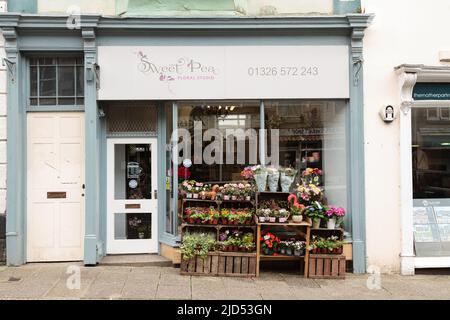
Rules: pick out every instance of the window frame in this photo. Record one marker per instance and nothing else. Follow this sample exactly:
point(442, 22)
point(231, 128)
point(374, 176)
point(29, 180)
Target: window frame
point(56, 107)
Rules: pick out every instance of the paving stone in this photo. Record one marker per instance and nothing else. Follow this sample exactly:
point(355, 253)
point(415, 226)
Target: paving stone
point(173, 292)
point(175, 279)
point(209, 294)
point(135, 289)
point(62, 291)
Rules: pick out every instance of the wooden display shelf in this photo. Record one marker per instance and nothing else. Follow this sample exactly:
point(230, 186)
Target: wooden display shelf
point(220, 226)
point(287, 224)
point(327, 266)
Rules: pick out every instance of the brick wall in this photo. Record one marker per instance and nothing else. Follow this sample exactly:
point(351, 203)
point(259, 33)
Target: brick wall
point(2, 152)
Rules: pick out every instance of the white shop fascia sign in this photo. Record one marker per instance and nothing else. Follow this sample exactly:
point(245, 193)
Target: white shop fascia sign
point(223, 72)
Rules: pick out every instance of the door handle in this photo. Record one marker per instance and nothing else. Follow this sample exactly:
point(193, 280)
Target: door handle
point(155, 192)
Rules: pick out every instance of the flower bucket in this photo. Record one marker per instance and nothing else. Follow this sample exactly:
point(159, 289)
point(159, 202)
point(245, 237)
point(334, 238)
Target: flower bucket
point(286, 182)
point(272, 181)
point(297, 253)
point(261, 181)
point(331, 223)
point(289, 251)
point(316, 223)
point(282, 220)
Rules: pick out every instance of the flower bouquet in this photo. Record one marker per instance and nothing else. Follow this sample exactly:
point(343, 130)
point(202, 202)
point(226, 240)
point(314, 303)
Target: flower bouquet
point(287, 177)
point(187, 186)
point(260, 176)
point(311, 176)
point(308, 193)
point(273, 176)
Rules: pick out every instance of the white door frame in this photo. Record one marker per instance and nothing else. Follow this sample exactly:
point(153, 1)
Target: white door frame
point(409, 75)
point(118, 206)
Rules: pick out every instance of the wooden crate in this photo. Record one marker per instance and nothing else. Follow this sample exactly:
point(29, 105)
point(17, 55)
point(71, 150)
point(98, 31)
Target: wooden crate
point(327, 266)
point(229, 264)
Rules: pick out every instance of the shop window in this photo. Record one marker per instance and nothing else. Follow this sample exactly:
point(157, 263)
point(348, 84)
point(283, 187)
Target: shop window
point(236, 127)
point(431, 181)
point(56, 81)
point(312, 134)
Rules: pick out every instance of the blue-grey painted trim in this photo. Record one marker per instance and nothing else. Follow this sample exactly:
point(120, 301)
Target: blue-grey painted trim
point(54, 108)
point(92, 206)
point(33, 21)
point(356, 136)
point(103, 188)
point(16, 156)
point(161, 169)
point(174, 142)
point(262, 134)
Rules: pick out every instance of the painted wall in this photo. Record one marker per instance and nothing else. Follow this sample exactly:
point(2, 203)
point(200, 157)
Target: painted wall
point(240, 7)
point(105, 7)
point(2, 152)
point(404, 31)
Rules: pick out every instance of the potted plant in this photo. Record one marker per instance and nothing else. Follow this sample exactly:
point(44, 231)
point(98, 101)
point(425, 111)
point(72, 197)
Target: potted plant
point(273, 176)
point(316, 212)
point(260, 176)
point(273, 216)
point(197, 244)
point(269, 243)
point(287, 177)
point(283, 215)
point(197, 189)
point(187, 186)
point(248, 242)
point(299, 248)
point(263, 214)
point(334, 215)
point(296, 209)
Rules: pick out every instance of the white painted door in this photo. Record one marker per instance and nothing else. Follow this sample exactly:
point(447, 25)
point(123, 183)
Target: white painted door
point(55, 182)
point(132, 219)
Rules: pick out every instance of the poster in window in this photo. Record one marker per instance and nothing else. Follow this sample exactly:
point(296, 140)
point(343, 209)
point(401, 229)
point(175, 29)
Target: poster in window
point(444, 232)
point(442, 215)
point(423, 215)
point(424, 233)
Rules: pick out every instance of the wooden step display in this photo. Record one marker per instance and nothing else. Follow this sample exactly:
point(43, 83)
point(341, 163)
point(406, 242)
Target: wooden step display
point(219, 263)
point(327, 266)
point(301, 229)
point(228, 264)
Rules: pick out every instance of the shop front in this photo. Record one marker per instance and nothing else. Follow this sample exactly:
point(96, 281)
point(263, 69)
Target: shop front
point(117, 114)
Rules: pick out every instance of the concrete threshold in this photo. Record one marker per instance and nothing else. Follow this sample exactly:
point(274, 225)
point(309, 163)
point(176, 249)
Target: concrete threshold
point(136, 260)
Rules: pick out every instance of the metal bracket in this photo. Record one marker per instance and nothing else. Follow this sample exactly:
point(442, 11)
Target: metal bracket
point(358, 65)
point(11, 66)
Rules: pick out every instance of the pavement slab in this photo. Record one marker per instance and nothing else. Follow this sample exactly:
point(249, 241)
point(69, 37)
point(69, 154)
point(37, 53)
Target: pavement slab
point(50, 281)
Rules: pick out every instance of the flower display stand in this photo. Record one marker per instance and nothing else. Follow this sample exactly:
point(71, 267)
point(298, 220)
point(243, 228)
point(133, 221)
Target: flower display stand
point(219, 263)
point(302, 230)
point(327, 266)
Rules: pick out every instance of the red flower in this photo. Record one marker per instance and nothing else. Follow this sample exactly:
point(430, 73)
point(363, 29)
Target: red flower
point(183, 172)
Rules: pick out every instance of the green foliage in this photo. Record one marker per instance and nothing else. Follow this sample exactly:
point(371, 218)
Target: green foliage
point(197, 244)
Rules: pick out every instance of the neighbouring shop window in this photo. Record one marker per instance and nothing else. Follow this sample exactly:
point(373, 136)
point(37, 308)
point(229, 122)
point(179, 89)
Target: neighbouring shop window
point(431, 180)
point(56, 81)
point(312, 134)
point(231, 126)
